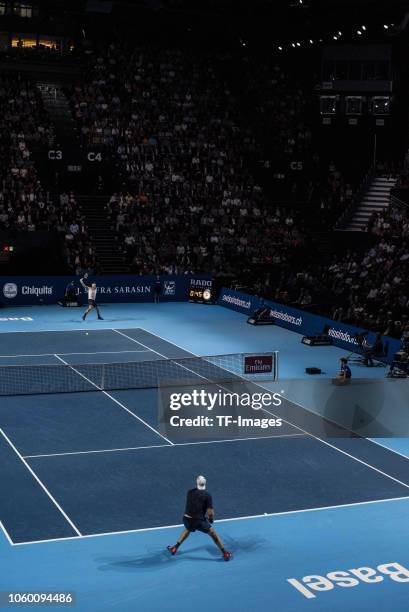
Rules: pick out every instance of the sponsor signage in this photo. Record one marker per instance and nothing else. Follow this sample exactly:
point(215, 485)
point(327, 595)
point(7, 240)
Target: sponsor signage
point(201, 290)
point(262, 364)
point(305, 323)
point(238, 301)
point(10, 290)
point(315, 585)
point(126, 288)
point(169, 288)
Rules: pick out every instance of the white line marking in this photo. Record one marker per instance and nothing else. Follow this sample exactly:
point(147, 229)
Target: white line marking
point(226, 520)
point(292, 401)
point(67, 354)
point(155, 335)
point(133, 448)
point(289, 422)
point(114, 399)
point(10, 541)
point(319, 416)
point(190, 352)
point(292, 424)
point(339, 449)
point(49, 331)
point(178, 364)
point(57, 505)
point(388, 448)
point(118, 331)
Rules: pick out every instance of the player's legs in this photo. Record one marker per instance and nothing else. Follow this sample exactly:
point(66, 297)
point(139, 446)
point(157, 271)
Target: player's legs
point(182, 538)
point(98, 313)
point(90, 307)
point(216, 539)
point(219, 544)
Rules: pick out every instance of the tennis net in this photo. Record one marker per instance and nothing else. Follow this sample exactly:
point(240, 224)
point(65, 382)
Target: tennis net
point(70, 378)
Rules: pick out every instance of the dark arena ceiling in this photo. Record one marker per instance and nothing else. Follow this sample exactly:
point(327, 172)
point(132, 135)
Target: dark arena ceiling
point(256, 22)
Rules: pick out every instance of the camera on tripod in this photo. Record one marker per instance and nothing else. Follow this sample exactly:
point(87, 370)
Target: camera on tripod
point(368, 351)
point(400, 365)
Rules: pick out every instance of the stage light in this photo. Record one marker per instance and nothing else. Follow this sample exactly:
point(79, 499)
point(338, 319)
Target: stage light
point(363, 28)
point(359, 32)
point(280, 48)
point(293, 45)
point(311, 41)
point(298, 44)
point(335, 37)
point(339, 33)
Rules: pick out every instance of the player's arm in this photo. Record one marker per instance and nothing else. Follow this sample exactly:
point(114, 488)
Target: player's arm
point(83, 284)
point(210, 509)
point(210, 515)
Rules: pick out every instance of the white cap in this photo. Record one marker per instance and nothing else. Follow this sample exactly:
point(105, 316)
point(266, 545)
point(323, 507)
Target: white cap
point(201, 482)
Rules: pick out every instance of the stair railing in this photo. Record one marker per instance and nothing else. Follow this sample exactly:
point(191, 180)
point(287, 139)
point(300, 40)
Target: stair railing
point(348, 213)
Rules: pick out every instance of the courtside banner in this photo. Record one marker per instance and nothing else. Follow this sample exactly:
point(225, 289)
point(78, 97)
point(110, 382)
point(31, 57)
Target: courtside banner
point(258, 364)
point(37, 290)
point(306, 323)
point(242, 302)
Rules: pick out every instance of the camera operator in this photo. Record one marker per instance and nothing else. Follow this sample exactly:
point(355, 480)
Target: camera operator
point(400, 364)
point(405, 339)
point(368, 352)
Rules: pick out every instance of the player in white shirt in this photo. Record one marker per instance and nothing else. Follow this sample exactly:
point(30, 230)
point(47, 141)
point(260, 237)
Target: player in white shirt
point(92, 295)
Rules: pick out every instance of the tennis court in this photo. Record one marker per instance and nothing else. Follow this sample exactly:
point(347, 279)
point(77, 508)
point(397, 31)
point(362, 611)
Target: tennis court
point(94, 462)
point(57, 446)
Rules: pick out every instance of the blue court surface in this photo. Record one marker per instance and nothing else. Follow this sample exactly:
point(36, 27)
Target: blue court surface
point(93, 492)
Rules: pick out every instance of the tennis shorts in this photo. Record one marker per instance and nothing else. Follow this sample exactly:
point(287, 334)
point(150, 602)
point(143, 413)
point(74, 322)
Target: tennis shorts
point(92, 303)
point(196, 524)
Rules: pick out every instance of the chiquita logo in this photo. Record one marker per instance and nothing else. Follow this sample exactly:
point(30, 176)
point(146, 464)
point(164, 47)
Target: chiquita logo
point(10, 290)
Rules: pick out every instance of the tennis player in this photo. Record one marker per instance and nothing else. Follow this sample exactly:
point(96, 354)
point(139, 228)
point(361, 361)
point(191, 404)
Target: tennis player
point(92, 303)
point(199, 516)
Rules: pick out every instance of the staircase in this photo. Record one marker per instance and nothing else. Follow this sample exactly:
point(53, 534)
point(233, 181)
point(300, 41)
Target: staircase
point(56, 104)
point(376, 198)
point(104, 238)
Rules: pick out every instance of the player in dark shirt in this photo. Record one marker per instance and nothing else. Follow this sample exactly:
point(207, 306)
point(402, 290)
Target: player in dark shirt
point(345, 371)
point(199, 516)
point(157, 288)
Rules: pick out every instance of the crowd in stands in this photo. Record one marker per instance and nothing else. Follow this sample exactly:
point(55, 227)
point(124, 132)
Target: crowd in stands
point(188, 195)
point(78, 250)
point(25, 205)
point(367, 288)
point(282, 105)
point(167, 236)
point(187, 198)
